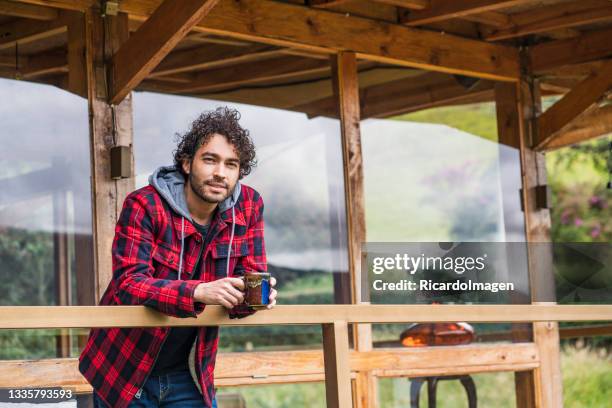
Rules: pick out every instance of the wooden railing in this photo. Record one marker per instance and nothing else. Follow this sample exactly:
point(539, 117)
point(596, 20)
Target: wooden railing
point(336, 364)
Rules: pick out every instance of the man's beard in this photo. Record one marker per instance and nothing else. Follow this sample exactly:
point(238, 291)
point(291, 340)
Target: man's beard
point(198, 189)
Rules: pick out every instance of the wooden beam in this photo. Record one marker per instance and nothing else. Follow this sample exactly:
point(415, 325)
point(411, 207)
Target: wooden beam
point(403, 96)
point(26, 31)
point(77, 64)
point(107, 194)
point(345, 82)
point(445, 93)
point(337, 366)
point(273, 367)
point(44, 64)
point(440, 10)
point(211, 57)
point(491, 18)
point(589, 125)
point(409, 4)
point(318, 30)
point(585, 94)
point(76, 5)
point(33, 317)
point(143, 51)
point(546, 379)
point(18, 9)
point(588, 47)
point(216, 80)
point(563, 15)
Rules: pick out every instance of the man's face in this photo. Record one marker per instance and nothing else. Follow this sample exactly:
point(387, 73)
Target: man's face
point(214, 170)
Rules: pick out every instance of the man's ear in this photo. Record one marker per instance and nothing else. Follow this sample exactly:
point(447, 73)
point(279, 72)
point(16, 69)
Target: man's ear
point(186, 166)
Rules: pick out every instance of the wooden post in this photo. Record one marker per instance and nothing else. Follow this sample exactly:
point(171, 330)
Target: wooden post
point(107, 129)
point(346, 91)
point(509, 123)
point(548, 380)
point(543, 386)
point(337, 365)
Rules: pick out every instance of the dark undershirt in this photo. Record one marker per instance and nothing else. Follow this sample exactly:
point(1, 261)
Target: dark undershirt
point(175, 352)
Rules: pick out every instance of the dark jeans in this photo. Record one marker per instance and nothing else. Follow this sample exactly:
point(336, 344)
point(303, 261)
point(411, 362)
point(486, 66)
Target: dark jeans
point(174, 390)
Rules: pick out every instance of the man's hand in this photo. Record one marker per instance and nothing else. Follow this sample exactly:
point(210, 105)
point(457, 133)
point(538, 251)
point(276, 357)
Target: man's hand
point(272, 297)
point(226, 292)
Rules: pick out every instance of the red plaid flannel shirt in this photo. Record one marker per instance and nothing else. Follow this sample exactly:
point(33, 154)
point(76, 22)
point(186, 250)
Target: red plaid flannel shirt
point(146, 251)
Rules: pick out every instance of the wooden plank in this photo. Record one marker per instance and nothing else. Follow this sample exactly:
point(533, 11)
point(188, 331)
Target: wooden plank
point(491, 18)
point(404, 95)
point(345, 82)
point(563, 15)
point(24, 31)
point(76, 5)
point(585, 94)
point(589, 125)
point(77, 65)
point(29, 317)
point(250, 368)
point(588, 47)
point(585, 331)
point(346, 94)
point(211, 57)
point(548, 387)
point(107, 194)
point(18, 9)
point(43, 64)
point(337, 366)
point(329, 32)
point(220, 79)
point(143, 51)
point(509, 129)
point(426, 97)
point(440, 10)
point(409, 4)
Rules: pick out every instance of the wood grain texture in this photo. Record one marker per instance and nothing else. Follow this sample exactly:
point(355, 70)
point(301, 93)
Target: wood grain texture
point(144, 50)
point(29, 317)
point(338, 392)
point(328, 32)
point(589, 46)
point(575, 102)
point(107, 194)
point(439, 10)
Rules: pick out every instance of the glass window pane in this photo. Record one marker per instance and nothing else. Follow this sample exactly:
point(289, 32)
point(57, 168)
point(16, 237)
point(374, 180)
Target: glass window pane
point(45, 209)
point(299, 175)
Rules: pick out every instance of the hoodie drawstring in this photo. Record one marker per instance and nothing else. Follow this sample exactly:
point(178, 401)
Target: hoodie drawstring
point(182, 245)
point(229, 249)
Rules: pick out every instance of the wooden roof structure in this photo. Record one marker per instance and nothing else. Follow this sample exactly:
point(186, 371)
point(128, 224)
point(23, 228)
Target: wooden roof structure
point(349, 59)
point(263, 52)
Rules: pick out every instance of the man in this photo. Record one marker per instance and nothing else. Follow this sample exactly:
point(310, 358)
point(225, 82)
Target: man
point(179, 244)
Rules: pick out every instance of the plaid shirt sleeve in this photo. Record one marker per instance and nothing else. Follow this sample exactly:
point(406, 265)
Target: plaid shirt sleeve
point(133, 271)
point(256, 258)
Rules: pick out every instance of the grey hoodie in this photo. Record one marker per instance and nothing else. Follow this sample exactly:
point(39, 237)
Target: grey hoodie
point(170, 184)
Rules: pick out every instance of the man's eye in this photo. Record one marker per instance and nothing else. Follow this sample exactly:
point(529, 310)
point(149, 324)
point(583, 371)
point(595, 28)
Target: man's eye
point(233, 165)
point(208, 160)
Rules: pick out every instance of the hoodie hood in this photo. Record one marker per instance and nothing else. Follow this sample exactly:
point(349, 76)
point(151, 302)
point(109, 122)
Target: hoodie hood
point(170, 184)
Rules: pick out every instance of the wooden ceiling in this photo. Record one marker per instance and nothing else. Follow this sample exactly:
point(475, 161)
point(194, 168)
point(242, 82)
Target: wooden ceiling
point(565, 40)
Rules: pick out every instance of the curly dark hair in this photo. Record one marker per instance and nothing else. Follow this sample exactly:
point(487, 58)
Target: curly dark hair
point(223, 121)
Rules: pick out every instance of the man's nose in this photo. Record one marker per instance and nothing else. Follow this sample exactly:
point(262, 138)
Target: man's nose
point(219, 171)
